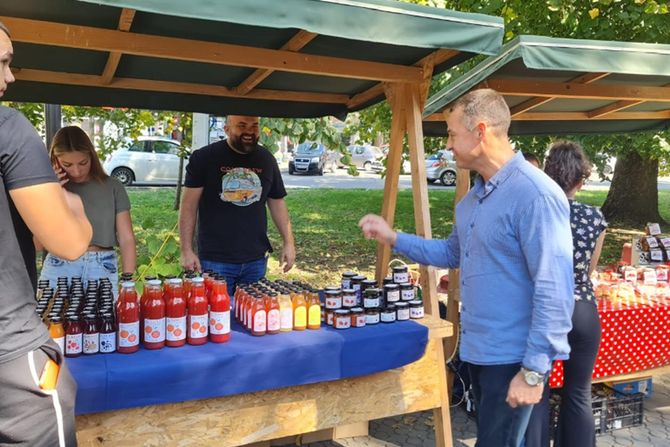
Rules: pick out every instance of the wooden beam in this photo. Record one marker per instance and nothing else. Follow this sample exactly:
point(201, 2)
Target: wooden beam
point(89, 38)
point(611, 108)
point(589, 78)
point(296, 43)
point(579, 91)
point(584, 116)
point(367, 95)
point(125, 22)
point(169, 86)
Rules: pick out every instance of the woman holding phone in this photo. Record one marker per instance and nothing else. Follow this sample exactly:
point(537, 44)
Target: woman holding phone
point(106, 205)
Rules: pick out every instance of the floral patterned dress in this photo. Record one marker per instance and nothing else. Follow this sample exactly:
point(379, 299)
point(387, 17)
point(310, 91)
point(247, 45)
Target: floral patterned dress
point(587, 224)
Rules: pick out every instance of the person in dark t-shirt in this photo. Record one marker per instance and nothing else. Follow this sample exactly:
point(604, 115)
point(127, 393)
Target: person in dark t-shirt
point(37, 392)
point(228, 185)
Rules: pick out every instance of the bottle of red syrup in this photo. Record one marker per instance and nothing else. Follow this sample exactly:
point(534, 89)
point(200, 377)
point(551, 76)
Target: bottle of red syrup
point(219, 312)
point(128, 316)
point(153, 311)
point(175, 315)
point(197, 314)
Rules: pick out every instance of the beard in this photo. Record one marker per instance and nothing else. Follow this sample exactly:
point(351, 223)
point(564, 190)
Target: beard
point(244, 145)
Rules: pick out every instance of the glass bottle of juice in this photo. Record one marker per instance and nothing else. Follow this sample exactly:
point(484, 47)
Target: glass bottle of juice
point(299, 311)
point(107, 333)
point(57, 331)
point(285, 312)
point(313, 310)
point(219, 312)
point(175, 316)
point(91, 336)
point(197, 314)
point(74, 336)
point(258, 317)
point(153, 311)
point(128, 315)
point(272, 310)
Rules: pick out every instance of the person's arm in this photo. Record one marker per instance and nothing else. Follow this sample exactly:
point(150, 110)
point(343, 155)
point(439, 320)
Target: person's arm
point(64, 230)
point(279, 213)
point(595, 257)
point(126, 238)
point(187, 215)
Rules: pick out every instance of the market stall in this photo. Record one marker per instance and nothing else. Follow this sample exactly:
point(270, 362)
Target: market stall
point(279, 59)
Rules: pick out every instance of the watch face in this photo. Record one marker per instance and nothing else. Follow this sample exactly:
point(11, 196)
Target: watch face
point(532, 378)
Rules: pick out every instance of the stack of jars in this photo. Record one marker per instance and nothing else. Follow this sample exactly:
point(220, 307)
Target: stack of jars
point(269, 307)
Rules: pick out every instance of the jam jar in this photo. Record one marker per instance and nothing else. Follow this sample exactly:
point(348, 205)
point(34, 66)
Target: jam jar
point(400, 274)
point(333, 298)
point(388, 280)
point(349, 298)
point(371, 316)
point(391, 293)
point(330, 316)
point(342, 319)
point(416, 309)
point(346, 279)
point(388, 314)
point(357, 317)
point(407, 292)
point(372, 298)
point(402, 311)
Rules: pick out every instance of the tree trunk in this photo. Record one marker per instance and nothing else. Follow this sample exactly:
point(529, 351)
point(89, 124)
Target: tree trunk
point(633, 194)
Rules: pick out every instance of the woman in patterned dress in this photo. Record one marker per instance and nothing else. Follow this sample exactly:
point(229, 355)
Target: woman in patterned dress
point(568, 166)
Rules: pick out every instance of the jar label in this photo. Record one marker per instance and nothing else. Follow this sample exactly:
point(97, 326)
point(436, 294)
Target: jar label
point(329, 318)
point(403, 314)
point(286, 316)
point(360, 320)
point(219, 323)
point(260, 321)
point(91, 343)
point(314, 318)
point(408, 295)
point(346, 283)
point(661, 274)
point(371, 302)
point(371, 319)
point(175, 328)
point(154, 330)
point(393, 296)
point(300, 317)
point(74, 343)
point(416, 312)
point(60, 341)
point(356, 287)
point(342, 322)
point(333, 302)
point(107, 342)
point(349, 300)
point(197, 326)
point(400, 277)
point(129, 334)
point(388, 317)
point(274, 323)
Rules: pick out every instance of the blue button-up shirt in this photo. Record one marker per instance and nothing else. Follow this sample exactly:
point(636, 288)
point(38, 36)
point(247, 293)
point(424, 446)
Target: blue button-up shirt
point(513, 244)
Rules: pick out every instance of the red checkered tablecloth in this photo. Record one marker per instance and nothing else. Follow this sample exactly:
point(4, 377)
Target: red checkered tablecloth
point(635, 337)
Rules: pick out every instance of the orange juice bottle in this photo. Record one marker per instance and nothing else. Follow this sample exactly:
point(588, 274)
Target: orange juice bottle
point(313, 311)
point(299, 311)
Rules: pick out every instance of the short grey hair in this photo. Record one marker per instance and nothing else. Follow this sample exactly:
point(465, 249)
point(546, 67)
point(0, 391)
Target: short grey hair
point(485, 105)
point(4, 28)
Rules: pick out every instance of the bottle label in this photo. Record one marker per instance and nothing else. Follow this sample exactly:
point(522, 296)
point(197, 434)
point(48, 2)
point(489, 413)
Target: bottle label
point(154, 330)
point(273, 320)
point(107, 342)
point(400, 277)
point(91, 343)
point(74, 343)
point(300, 317)
point(286, 316)
point(247, 321)
point(219, 323)
point(129, 334)
point(175, 328)
point(314, 318)
point(60, 341)
point(260, 321)
point(198, 326)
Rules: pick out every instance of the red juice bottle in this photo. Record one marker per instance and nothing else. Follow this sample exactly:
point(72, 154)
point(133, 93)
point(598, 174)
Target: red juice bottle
point(197, 314)
point(272, 309)
point(175, 313)
point(219, 313)
point(153, 310)
point(74, 336)
point(128, 311)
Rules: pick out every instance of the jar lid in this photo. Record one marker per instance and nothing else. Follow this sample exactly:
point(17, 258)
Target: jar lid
point(356, 310)
point(391, 286)
point(349, 274)
point(388, 280)
point(358, 278)
point(370, 282)
point(389, 308)
point(406, 285)
point(400, 268)
point(349, 291)
point(372, 292)
point(332, 292)
point(401, 305)
point(416, 303)
point(372, 310)
point(342, 312)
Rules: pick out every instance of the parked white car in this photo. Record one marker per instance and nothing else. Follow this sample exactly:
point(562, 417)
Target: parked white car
point(441, 166)
point(147, 160)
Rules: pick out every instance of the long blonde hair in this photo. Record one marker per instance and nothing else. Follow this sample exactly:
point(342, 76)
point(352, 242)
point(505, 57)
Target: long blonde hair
point(73, 139)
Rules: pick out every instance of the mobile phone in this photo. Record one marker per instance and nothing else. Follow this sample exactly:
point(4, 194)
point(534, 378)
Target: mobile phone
point(49, 376)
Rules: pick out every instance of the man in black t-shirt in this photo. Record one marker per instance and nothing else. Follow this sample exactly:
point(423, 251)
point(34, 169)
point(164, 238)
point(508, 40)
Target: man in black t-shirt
point(228, 185)
point(37, 391)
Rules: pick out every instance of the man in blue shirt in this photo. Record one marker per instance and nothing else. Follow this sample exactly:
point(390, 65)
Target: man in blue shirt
point(513, 244)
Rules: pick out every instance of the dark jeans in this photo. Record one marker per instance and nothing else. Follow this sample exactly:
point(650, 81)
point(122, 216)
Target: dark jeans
point(576, 427)
point(498, 424)
point(238, 273)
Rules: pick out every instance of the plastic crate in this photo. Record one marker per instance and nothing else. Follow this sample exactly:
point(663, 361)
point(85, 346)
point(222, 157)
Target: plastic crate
point(612, 410)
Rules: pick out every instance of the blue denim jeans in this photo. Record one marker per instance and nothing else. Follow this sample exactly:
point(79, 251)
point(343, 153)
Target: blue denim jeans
point(498, 424)
point(91, 265)
point(245, 273)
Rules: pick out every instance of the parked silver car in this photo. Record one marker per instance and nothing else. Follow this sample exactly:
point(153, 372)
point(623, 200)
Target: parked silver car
point(441, 166)
point(363, 156)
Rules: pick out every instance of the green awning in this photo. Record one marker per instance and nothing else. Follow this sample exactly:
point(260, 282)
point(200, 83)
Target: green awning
point(290, 58)
point(569, 86)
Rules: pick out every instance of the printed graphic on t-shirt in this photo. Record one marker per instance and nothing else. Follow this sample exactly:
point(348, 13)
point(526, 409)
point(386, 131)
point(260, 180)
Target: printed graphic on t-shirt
point(241, 187)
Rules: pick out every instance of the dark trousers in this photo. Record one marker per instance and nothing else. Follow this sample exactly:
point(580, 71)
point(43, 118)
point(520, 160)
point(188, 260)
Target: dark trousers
point(576, 427)
point(498, 424)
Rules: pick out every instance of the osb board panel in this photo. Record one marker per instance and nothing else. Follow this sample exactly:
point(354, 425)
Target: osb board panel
point(247, 418)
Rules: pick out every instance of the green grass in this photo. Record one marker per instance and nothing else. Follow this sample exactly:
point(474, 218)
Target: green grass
point(328, 240)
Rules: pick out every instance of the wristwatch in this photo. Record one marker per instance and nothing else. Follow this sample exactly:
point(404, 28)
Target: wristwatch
point(532, 378)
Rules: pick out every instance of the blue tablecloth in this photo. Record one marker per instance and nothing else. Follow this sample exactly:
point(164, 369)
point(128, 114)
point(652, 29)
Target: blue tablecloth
point(245, 364)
